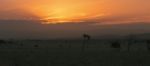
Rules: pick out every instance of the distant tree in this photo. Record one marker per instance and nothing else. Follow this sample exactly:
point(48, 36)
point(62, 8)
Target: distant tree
point(36, 46)
point(2, 41)
point(86, 37)
point(115, 44)
point(130, 41)
point(148, 44)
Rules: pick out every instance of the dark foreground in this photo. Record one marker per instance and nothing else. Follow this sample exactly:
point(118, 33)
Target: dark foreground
point(72, 54)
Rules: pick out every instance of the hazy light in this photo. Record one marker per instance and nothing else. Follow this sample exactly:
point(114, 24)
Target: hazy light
point(60, 11)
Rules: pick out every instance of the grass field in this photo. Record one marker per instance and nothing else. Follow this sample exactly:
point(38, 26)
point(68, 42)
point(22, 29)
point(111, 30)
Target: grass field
point(71, 53)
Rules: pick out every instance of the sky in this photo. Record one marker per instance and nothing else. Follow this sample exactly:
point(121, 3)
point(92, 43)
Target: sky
point(82, 15)
point(76, 10)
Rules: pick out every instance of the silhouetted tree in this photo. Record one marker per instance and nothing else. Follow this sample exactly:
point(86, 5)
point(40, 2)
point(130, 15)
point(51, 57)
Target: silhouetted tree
point(36, 46)
point(2, 41)
point(115, 44)
point(130, 41)
point(86, 38)
point(148, 44)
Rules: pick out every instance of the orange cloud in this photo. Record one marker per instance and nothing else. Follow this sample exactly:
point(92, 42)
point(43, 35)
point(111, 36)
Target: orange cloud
point(77, 10)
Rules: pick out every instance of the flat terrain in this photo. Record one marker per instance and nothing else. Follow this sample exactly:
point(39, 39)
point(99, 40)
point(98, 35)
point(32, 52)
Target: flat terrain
point(71, 53)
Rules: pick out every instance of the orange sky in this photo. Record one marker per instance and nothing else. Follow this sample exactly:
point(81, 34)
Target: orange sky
point(117, 11)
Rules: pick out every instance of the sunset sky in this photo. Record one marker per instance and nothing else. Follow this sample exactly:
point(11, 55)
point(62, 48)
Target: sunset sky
point(72, 11)
point(76, 10)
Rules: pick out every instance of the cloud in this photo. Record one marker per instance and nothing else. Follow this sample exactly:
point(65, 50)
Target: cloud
point(112, 11)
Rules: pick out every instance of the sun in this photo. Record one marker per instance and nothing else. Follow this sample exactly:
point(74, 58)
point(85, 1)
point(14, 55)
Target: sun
point(66, 18)
point(63, 15)
point(56, 20)
point(65, 12)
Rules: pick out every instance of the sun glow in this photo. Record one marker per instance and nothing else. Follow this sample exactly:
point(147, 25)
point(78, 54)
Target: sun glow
point(62, 11)
point(62, 18)
point(64, 15)
point(66, 11)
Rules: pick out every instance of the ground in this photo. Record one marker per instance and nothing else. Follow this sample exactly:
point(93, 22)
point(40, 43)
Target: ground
point(65, 53)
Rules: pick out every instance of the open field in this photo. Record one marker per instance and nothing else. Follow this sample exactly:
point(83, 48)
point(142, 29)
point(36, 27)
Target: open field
point(73, 53)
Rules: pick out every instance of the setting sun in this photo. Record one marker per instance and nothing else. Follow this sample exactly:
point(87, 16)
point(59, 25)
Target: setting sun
point(62, 11)
point(68, 11)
